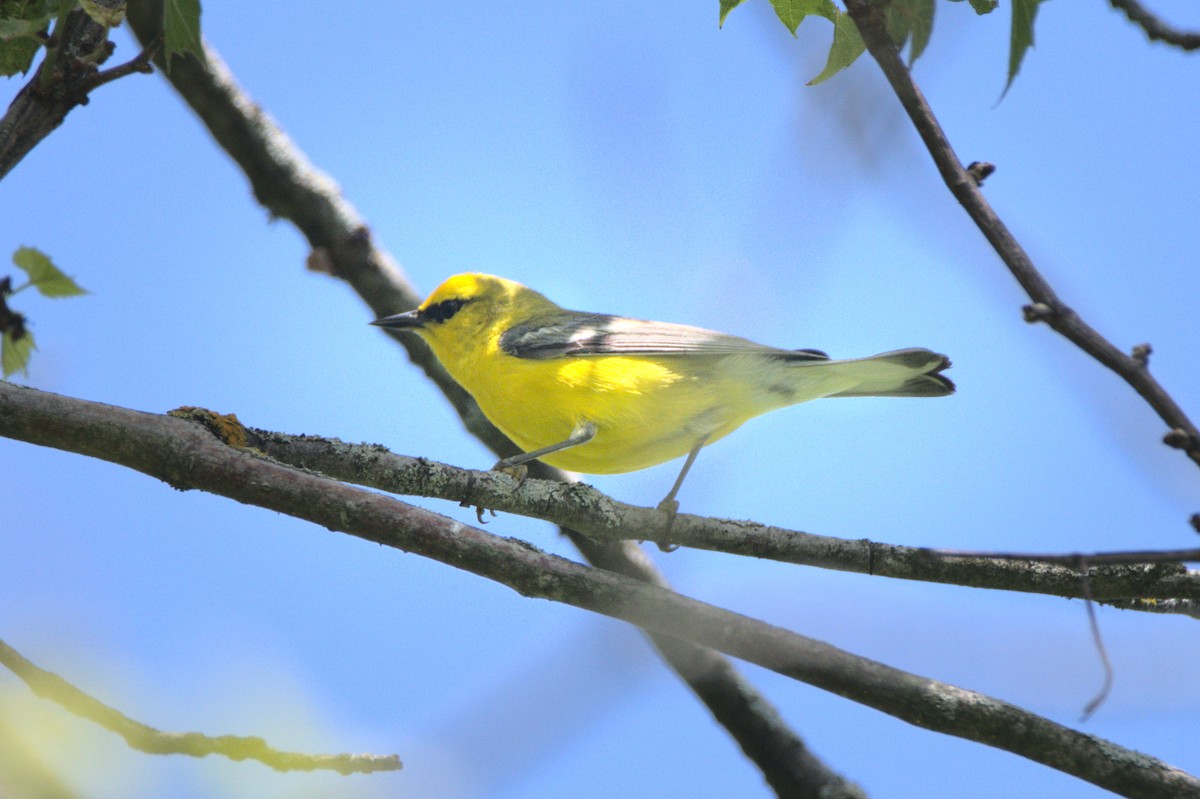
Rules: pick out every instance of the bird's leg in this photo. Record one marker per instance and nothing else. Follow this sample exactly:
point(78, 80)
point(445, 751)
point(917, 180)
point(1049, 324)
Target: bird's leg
point(669, 503)
point(515, 467)
point(583, 432)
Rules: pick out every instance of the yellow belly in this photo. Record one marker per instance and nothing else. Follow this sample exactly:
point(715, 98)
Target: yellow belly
point(646, 411)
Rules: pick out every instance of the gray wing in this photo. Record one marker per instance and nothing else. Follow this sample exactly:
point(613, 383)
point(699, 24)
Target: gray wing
point(601, 334)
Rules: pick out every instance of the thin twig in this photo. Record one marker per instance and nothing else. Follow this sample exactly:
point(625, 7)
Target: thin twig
point(1155, 28)
point(139, 64)
point(147, 739)
point(1098, 641)
point(1045, 304)
point(187, 456)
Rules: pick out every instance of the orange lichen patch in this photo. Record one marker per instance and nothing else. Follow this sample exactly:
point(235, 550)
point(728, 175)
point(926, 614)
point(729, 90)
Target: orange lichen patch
point(224, 426)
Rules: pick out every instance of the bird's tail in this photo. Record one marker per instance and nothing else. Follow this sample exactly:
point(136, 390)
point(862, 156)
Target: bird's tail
point(913, 372)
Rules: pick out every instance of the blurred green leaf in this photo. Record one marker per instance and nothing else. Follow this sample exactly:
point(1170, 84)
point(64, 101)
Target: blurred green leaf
point(910, 22)
point(985, 6)
point(44, 275)
point(922, 28)
point(792, 12)
point(726, 7)
point(16, 55)
point(847, 46)
point(25, 17)
point(20, 23)
point(14, 353)
point(181, 29)
point(1023, 14)
point(898, 18)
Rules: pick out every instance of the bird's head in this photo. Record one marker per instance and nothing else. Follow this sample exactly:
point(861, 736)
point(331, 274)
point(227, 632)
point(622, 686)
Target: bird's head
point(468, 310)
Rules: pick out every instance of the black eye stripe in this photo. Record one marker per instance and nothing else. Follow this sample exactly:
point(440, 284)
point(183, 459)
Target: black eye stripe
point(441, 311)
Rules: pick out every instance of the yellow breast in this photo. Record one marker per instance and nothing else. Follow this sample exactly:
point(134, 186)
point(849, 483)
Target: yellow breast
point(646, 410)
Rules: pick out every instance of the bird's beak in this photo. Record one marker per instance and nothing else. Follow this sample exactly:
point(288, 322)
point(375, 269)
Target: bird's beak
point(409, 320)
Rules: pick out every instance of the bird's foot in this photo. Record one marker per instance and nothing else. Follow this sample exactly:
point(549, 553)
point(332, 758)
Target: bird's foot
point(670, 506)
point(517, 471)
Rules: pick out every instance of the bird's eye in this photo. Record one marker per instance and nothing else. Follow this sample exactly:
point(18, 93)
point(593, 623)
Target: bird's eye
point(441, 311)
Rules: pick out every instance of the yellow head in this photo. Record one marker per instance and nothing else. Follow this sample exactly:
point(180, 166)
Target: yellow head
point(468, 313)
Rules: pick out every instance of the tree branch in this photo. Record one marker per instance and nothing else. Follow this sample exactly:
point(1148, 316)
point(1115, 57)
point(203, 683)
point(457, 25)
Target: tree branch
point(147, 739)
point(1155, 28)
point(63, 80)
point(1046, 305)
point(1115, 576)
point(187, 456)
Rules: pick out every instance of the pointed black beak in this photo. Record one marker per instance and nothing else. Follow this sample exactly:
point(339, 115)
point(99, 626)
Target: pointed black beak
point(409, 320)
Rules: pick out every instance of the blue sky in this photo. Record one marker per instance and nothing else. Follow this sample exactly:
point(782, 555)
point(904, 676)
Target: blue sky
point(631, 159)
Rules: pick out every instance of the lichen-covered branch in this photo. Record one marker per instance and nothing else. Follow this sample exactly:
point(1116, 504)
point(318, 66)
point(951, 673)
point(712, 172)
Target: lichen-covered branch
point(1116, 576)
point(187, 456)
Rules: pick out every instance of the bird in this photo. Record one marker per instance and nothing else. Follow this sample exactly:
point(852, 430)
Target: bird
point(604, 394)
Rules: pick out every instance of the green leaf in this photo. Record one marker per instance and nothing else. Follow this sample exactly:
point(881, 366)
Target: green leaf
point(847, 46)
point(107, 16)
point(181, 29)
point(1023, 14)
point(14, 353)
point(19, 19)
point(910, 22)
point(20, 24)
point(19, 27)
point(898, 20)
point(726, 7)
point(828, 10)
point(790, 12)
point(16, 55)
point(44, 275)
point(984, 6)
point(922, 29)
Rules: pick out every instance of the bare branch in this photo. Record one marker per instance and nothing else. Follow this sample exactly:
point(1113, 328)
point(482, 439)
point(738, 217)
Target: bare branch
point(187, 456)
point(147, 739)
point(1155, 28)
point(1046, 305)
point(138, 64)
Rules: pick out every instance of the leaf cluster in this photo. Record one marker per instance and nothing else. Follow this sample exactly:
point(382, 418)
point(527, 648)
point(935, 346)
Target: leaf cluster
point(25, 27)
point(909, 23)
point(16, 342)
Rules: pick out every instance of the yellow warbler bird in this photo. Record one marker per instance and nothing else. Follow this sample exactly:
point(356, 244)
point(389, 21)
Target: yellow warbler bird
point(602, 394)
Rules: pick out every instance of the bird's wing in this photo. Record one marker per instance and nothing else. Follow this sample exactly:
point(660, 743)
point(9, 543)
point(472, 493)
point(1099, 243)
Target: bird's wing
point(582, 335)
